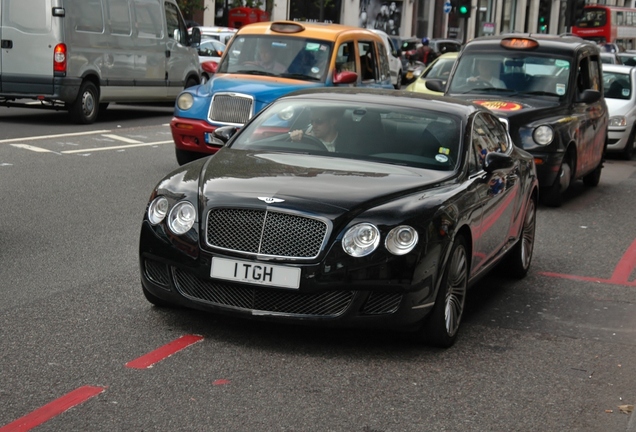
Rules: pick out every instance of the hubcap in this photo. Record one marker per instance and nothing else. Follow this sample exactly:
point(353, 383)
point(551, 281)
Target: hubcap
point(88, 103)
point(527, 241)
point(456, 293)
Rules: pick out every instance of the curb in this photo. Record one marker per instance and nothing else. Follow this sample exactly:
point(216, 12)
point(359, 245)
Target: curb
point(631, 426)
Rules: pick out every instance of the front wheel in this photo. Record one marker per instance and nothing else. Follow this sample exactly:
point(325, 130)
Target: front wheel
point(592, 179)
point(85, 108)
point(442, 324)
point(628, 151)
point(552, 196)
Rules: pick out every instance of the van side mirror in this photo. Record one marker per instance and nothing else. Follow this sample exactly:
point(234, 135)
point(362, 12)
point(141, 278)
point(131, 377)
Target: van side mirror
point(195, 40)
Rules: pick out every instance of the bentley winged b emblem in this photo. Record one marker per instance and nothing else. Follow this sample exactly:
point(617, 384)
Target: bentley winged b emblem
point(271, 200)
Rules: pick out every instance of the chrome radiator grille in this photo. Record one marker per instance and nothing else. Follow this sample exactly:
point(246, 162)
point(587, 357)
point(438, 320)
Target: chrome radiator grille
point(331, 303)
point(265, 232)
point(231, 108)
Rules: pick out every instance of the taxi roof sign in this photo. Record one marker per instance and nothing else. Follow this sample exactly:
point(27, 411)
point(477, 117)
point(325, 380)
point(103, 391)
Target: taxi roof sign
point(519, 43)
point(286, 27)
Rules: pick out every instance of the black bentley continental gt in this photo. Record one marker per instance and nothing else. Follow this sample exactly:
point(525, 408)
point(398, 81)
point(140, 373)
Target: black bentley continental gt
point(347, 207)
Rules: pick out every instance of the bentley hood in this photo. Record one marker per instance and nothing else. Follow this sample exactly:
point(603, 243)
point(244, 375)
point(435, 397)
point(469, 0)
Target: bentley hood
point(503, 106)
point(238, 177)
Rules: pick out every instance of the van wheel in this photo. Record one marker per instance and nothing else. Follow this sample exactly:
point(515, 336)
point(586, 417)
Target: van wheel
point(191, 82)
point(85, 108)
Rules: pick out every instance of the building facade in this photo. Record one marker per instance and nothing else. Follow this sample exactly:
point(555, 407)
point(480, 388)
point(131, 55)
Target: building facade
point(430, 18)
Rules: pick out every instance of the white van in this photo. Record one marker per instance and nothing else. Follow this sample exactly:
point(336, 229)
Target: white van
point(81, 55)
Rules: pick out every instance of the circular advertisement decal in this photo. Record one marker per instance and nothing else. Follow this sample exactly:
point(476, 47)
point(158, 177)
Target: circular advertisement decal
point(499, 105)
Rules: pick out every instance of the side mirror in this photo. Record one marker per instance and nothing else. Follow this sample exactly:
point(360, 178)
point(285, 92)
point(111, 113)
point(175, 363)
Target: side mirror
point(345, 77)
point(176, 35)
point(589, 96)
point(196, 37)
point(210, 66)
point(222, 135)
point(436, 85)
point(495, 161)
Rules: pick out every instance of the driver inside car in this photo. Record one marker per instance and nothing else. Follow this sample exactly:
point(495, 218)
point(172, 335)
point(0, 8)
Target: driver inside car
point(487, 72)
point(323, 125)
point(267, 59)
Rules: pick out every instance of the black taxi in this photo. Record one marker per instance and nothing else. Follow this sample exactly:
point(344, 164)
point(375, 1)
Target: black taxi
point(548, 89)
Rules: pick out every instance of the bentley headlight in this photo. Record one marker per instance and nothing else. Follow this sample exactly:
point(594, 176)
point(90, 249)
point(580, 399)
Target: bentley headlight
point(185, 101)
point(401, 240)
point(543, 135)
point(157, 210)
point(361, 240)
point(182, 217)
point(618, 121)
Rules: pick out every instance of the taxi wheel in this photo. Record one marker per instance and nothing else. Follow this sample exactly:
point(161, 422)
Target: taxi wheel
point(184, 156)
point(592, 179)
point(552, 196)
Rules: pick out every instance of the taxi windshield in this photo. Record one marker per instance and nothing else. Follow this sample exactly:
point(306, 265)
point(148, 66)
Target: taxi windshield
point(538, 75)
point(280, 56)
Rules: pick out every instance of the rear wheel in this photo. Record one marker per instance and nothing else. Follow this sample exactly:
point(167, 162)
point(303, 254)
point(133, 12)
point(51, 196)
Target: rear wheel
point(518, 261)
point(443, 323)
point(85, 108)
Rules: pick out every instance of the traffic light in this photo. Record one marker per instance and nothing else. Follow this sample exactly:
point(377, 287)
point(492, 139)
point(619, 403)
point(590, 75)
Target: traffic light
point(577, 11)
point(544, 15)
point(463, 8)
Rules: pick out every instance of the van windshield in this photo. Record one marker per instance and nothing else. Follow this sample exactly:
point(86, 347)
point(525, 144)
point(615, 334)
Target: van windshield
point(287, 57)
point(541, 75)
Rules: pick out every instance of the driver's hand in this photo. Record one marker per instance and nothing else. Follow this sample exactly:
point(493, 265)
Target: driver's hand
point(296, 135)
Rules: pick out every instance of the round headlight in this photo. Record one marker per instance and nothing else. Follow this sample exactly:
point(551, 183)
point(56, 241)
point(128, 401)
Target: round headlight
point(157, 210)
point(543, 135)
point(617, 121)
point(182, 217)
point(185, 101)
point(401, 240)
point(361, 240)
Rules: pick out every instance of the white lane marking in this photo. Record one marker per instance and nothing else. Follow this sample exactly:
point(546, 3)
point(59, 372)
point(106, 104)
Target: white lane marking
point(121, 138)
point(116, 147)
point(5, 164)
point(54, 136)
point(32, 148)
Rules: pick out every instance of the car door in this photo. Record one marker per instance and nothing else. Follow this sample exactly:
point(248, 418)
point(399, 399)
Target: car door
point(373, 72)
point(179, 55)
point(497, 192)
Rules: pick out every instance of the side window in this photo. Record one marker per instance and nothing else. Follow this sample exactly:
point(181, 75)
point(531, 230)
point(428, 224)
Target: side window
point(346, 58)
point(385, 69)
point(89, 16)
point(118, 17)
point(176, 26)
point(489, 135)
point(368, 69)
point(584, 81)
point(148, 19)
point(595, 75)
point(26, 15)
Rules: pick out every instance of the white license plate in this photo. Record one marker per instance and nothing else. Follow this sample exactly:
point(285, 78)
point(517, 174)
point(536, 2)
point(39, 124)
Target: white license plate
point(255, 273)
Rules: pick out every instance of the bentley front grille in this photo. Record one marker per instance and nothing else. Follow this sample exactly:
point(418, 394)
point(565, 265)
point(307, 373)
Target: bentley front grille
point(324, 304)
point(231, 108)
point(265, 232)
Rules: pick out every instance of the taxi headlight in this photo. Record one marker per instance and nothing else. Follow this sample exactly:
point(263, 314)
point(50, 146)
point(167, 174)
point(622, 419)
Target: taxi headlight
point(361, 240)
point(401, 240)
point(157, 210)
point(185, 101)
point(543, 135)
point(182, 217)
point(618, 121)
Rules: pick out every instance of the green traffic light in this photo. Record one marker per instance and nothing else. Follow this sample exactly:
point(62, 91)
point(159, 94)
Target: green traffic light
point(541, 20)
point(463, 10)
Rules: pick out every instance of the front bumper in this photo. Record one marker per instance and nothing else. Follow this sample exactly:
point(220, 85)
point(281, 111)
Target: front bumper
point(337, 301)
point(617, 138)
point(548, 167)
point(189, 134)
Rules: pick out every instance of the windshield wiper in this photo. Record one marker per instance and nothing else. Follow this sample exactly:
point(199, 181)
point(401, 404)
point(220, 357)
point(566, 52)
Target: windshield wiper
point(488, 89)
point(299, 76)
point(255, 72)
point(540, 93)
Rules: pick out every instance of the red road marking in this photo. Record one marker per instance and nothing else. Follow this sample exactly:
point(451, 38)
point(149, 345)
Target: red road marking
point(52, 409)
point(622, 271)
point(221, 382)
point(165, 351)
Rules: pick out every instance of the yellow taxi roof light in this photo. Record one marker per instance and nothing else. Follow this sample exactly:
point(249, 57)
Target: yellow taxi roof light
point(519, 43)
point(286, 27)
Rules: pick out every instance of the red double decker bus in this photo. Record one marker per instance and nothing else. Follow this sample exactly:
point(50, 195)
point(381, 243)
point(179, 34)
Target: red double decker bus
point(608, 24)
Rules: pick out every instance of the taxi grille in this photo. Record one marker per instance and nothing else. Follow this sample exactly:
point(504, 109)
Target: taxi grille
point(324, 304)
point(231, 108)
point(266, 233)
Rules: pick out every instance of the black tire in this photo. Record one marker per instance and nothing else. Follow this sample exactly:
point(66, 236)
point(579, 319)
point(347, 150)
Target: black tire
point(154, 299)
point(184, 156)
point(517, 263)
point(191, 82)
point(592, 179)
point(85, 108)
point(628, 151)
point(204, 78)
point(442, 325)
point(552, 196)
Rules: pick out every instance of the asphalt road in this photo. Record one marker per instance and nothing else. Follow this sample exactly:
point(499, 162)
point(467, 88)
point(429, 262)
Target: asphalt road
point(81, 349)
